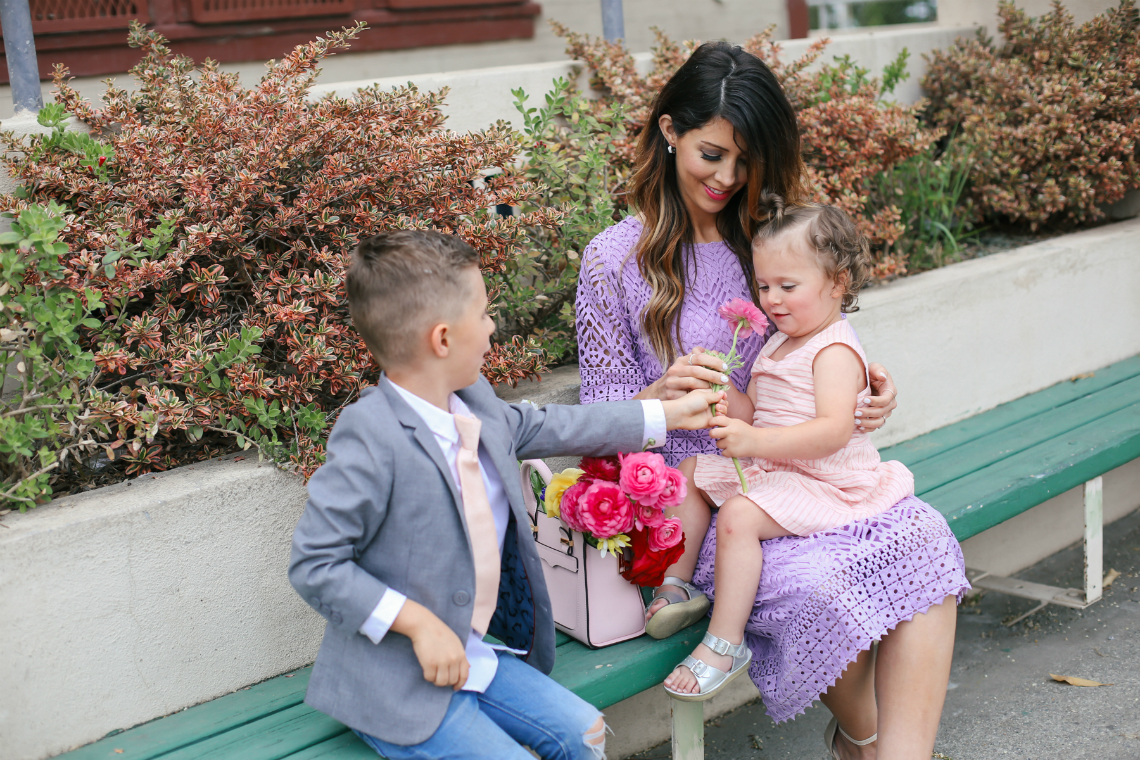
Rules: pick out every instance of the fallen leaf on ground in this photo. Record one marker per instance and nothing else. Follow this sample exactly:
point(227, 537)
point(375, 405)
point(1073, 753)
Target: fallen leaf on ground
point(1077, 681)
point(1084, 376)
point(940, 756)
point(1109, 578)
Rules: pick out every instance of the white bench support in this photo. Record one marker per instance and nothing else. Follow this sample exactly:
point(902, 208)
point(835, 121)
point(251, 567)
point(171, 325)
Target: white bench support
point(688, 730)
point(1094, 540)
point(1066, 597)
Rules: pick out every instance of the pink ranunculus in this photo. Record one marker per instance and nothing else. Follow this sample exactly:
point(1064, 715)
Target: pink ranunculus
point(604, 510)
point(738, 310)
point(643, 476)
point(648, 516)
point(676, 487)
point(666, 535)
point(570, 509)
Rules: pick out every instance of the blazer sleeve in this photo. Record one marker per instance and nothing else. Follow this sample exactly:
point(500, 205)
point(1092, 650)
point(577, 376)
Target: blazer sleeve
point(593, 430)
point(348, 499)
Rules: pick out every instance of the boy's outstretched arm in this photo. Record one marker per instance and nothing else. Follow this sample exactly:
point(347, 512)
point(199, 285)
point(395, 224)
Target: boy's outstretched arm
point(603, 428)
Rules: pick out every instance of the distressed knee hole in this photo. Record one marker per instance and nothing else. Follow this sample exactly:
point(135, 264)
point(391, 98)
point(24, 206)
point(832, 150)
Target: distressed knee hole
point(595, 738)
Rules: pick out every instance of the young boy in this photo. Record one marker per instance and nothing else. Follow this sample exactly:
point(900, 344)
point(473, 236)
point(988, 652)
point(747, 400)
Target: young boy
point(415, 542)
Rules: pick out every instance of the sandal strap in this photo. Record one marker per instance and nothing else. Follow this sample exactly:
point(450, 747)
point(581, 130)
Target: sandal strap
point(674, 597)
point(722, 646)
point(699, 668)
point(690, 589)
point(874, 737)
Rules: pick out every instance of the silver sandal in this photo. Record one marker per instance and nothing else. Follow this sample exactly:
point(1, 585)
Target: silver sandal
point(829, 738)
point(710, 679)
point(678, 613)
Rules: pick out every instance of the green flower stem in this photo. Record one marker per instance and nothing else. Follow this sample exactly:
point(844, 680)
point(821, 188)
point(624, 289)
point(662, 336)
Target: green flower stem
point(731, 362)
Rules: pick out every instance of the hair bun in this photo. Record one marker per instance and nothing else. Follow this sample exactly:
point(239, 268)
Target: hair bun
point(774, 204)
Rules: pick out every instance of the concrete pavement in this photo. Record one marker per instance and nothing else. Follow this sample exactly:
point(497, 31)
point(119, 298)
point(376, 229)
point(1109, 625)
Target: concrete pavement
point(1002, 702)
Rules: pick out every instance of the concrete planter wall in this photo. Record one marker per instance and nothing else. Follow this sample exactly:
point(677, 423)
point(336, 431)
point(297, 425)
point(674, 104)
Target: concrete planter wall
point(140, 599)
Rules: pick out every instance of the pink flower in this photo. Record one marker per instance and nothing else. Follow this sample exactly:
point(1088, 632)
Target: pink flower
point(571, 502)
point(604, 510)
point(648, 516)
point(643, 476)
point(601, 468)
point(738, 310)
point(676, 487)
point(666, 535)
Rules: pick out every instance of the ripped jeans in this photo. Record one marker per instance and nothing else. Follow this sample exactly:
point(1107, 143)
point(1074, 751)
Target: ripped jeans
point(520, 707)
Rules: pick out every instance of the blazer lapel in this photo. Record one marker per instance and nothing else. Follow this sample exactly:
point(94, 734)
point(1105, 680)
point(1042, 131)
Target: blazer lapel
point(423, 435)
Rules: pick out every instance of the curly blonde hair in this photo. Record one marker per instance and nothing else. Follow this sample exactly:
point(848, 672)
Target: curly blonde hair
point(843, 253)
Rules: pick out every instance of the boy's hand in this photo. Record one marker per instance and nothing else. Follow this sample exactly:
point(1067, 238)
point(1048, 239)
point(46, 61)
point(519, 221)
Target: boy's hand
point(735, 438)
point(440, 652)
point(691, 411)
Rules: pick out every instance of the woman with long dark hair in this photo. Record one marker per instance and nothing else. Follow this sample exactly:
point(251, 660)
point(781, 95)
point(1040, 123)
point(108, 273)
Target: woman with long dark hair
point(722, 138)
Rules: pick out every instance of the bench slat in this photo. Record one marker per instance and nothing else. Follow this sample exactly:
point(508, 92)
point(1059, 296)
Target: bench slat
point(347, 746)
point(992, 495)
point(203, 721)
point(606, 676)
point(957, 434)
point(273, 737)
point(1005, 443)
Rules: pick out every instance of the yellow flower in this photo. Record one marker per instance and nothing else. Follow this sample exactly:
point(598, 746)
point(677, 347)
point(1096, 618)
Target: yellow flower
point(556, 487)
point(613, 545)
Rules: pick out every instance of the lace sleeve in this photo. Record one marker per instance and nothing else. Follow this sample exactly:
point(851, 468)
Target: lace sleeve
point(606, 356)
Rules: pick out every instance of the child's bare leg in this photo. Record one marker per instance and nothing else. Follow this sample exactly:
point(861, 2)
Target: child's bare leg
point(741, 526)
point(695, 515)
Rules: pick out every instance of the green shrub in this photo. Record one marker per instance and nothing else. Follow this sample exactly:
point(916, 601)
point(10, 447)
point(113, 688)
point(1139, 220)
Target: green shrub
point(217, 220)
point(570, 149)
point(45, 420)
point(1053, 113)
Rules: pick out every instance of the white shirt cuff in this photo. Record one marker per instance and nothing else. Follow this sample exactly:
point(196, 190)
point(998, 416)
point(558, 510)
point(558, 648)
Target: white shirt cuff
point(655, 430)
point(382, 618)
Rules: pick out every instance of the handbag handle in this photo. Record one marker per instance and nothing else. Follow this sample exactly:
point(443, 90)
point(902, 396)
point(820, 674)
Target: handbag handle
point(539, 466)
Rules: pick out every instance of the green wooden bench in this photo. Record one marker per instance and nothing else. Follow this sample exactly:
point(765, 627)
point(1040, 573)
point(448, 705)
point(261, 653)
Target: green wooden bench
point(978, 473)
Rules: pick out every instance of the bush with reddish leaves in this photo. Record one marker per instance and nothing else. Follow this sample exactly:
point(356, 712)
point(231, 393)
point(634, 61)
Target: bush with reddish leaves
point(215, 223)
point(1053, 113)
point(850, 132)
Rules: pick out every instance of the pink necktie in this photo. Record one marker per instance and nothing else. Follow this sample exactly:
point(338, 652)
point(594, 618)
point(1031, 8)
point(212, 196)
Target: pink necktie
point(480, 523)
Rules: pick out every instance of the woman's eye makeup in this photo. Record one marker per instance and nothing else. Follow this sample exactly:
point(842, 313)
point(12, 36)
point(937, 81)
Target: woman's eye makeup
point(710, 156)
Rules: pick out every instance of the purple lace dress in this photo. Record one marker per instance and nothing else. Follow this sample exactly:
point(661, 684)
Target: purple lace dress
point(823, 598)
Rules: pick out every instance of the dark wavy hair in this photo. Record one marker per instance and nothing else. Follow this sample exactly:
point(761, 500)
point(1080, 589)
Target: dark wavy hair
point(718, 81)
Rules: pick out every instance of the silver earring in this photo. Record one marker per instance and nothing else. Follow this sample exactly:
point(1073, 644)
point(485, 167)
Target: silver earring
point(671, 149)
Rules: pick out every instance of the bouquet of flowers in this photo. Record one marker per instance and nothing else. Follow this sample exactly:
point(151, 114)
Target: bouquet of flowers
point(618, 504)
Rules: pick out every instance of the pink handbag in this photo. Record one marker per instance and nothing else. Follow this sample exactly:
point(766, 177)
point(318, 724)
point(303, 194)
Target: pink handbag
point(591, 601)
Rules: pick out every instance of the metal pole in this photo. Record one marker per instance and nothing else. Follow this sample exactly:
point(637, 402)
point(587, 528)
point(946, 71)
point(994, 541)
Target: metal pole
point(613, 21)
point(20, 50)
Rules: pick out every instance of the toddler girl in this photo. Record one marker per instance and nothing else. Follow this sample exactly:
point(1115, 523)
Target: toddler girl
point(807, 467)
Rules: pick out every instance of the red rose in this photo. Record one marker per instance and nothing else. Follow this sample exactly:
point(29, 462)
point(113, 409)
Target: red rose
point(648, 567)
point(601, 468)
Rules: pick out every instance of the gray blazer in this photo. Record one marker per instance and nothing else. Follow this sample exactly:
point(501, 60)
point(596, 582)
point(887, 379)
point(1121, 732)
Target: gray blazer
point(384, 509)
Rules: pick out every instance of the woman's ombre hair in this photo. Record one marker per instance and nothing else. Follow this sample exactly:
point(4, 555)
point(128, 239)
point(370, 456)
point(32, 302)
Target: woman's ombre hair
point(718, 81)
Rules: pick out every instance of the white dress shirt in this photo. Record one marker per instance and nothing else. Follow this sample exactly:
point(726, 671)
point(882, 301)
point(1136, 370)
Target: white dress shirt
point(480, 655)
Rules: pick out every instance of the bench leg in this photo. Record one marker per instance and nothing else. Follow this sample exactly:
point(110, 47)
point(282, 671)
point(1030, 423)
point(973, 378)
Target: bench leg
point(1094, 539)
point(688, 730)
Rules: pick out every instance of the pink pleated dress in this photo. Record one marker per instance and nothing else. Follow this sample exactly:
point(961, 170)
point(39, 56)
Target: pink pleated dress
point(806, 495)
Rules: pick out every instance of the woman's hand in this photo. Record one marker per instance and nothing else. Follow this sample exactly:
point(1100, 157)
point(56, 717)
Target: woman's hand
point(691, 372)
point(735, 438)
point(871, 413)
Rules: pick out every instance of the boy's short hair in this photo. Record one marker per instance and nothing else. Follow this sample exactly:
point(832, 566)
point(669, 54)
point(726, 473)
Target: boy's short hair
point(400, 281)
